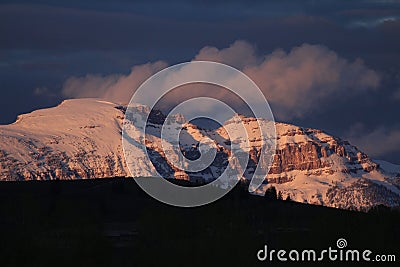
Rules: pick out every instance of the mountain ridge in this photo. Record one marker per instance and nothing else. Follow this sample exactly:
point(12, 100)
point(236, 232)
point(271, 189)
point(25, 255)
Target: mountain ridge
point(81, 138)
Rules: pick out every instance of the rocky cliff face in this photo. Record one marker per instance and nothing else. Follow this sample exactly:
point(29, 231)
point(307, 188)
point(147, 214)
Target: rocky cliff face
point(313, 153)
point(82, 139)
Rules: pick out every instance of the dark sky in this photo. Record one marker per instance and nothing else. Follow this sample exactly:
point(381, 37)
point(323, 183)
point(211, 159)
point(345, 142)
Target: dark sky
point(44, 43)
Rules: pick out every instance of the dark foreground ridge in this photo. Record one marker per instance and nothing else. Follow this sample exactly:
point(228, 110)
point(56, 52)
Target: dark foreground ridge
point(112, 222)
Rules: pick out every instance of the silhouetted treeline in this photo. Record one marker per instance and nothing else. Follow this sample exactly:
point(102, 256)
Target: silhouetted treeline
point(112, 222)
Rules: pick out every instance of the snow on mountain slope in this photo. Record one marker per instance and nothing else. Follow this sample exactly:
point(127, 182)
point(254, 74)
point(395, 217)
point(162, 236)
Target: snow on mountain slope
point(311, 166)
point(82, 139)
point(77, 139)
point(389, 167)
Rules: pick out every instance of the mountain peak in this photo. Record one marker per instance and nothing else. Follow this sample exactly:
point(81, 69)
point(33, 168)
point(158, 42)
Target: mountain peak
point(81, 138)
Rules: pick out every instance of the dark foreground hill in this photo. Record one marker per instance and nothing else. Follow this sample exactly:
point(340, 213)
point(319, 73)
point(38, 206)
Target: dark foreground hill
point(112, 222)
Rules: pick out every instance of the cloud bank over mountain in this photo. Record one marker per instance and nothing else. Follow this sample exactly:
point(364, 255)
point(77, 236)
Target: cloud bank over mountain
point(295, 83)
point(301, 80)
point(115, 87)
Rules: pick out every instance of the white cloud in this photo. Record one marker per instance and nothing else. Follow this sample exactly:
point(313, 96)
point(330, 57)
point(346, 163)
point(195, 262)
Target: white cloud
point(300, 81)
point(296, 83)
point(116, 87)
point(240, 54)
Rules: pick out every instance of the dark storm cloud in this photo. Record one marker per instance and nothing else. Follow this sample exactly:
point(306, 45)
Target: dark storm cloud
point(43, 44)
point(69, 28)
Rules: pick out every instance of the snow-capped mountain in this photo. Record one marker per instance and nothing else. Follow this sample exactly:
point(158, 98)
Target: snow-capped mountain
point(81, 138)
